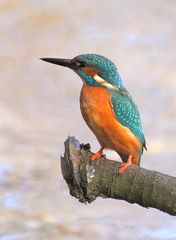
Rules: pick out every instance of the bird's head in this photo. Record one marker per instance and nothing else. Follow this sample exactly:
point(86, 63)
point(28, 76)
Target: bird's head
point(94, 70)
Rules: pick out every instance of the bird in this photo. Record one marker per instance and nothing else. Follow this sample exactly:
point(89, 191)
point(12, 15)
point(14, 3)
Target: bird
point(107, 107)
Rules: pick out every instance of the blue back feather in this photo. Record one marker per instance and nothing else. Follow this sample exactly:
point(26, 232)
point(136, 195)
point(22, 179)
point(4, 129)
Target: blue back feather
point(127, 113)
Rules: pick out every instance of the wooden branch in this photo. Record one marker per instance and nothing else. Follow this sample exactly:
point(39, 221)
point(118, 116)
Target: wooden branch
point(88, 180)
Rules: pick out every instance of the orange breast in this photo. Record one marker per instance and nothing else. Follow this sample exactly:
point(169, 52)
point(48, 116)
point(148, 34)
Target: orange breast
point(99, 116)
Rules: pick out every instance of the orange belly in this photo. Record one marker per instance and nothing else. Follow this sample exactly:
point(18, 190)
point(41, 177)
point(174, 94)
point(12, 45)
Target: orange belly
point(111, 134)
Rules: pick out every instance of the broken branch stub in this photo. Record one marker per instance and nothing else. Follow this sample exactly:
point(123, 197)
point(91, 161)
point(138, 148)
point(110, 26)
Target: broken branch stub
point(89, 179)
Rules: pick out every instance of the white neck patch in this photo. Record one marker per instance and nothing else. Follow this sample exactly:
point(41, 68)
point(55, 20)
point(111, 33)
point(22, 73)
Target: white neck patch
point(105, 84)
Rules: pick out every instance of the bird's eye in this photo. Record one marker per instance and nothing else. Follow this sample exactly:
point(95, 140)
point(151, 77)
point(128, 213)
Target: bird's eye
point(77, 63)
point(80, 64)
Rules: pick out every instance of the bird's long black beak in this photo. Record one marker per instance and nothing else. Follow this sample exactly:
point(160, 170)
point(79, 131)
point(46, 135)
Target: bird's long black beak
point(60, 61)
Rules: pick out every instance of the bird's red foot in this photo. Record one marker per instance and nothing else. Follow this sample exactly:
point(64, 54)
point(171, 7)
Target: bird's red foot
point(126, 164)
point(97, 155)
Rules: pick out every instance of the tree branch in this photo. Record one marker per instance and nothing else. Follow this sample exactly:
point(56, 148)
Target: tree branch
point(88, 180)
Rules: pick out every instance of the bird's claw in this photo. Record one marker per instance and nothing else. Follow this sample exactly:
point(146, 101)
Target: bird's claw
point(125, 165)
point(98, 155)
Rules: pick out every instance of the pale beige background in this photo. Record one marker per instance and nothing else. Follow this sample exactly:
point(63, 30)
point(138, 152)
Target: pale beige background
point(39, 108)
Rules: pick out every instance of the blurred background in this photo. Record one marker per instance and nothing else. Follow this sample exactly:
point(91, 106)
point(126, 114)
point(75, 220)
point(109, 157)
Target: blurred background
point(39, 108)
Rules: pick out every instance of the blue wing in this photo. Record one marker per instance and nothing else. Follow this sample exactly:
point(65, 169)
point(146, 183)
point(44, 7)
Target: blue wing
point(127, 113)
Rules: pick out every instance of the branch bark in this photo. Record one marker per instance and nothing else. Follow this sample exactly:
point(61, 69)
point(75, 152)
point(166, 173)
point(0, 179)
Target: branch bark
point(88, 180)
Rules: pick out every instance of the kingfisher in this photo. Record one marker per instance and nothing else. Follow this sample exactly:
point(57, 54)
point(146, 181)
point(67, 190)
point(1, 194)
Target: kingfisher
point(107, 107)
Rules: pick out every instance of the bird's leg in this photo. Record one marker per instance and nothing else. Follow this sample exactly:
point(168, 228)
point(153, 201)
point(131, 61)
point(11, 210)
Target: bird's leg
point(98, 154)
point(126, 164)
